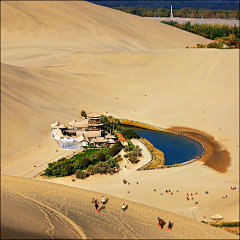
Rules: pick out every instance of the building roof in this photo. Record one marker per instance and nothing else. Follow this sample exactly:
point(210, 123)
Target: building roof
point(57, 124)
point(94, 124)
point(82, 138)
point(99, 139)
point(58, 133)
point(75, 124)
point(110, 136)
point(89, 133)
point(93, 115)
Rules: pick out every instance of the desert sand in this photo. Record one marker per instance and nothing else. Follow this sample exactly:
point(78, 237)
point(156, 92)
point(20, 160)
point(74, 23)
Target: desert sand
point(58, 58)
point(56, 211)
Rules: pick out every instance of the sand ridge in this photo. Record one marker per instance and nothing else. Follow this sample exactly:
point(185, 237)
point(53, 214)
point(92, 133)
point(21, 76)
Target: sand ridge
point(74, 206)
point(59, 58)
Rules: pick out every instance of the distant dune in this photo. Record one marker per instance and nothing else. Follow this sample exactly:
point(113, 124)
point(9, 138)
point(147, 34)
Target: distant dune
point(58, 58)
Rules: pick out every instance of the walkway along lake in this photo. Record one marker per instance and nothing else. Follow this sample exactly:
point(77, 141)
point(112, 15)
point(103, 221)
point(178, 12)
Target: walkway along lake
point(176, 149)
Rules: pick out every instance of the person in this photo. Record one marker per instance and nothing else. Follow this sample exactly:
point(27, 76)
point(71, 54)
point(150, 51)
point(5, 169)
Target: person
point(96, 206)
point(160, 222)
point(103, 201)
point(169, 225)
point(93, 201)
point(137, 182)
point(161, 193)
point(123, 207)
point(231, 187)
point(226, 196)
point(177, 190)
point(171, 193)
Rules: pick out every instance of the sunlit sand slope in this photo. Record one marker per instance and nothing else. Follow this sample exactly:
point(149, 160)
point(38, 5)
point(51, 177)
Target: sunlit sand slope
point(65, 212)
point(82, 26)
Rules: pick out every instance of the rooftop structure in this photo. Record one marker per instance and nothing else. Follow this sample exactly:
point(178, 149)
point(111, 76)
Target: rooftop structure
point(81, 134)
point(57, 124)
point(80, 125)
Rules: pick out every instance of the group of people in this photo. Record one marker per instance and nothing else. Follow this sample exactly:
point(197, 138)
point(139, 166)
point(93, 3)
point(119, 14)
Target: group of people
point(97, 203)
point(233, 188)
point(161, 223)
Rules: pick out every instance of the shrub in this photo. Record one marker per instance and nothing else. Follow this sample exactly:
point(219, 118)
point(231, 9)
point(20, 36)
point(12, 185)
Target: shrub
point(84, 162)
point(102, 133)
point(83, 113)
point(73, 179)
point(133, 159)
point(80, 174)
point(68, 168)
point(101, 156)
point(126, 155)
point(112, 150)
point(64, 172)
point(127, 149)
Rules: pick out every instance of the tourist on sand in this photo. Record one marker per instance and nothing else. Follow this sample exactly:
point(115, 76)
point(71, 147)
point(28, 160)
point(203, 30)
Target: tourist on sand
point(160, 223)
point(231, 187)
point(103, 201)
point(123, 207)
point(93, 201)
point(96, 206)
point(169, 225)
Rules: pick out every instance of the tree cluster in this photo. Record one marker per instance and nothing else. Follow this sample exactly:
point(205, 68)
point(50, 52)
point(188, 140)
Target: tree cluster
point(223, 33)
point(75, 165)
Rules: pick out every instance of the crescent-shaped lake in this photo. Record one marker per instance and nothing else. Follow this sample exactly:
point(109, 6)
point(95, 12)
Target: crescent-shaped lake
point(176, 149)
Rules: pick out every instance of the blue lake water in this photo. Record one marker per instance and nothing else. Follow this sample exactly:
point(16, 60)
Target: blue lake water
point(176, 149)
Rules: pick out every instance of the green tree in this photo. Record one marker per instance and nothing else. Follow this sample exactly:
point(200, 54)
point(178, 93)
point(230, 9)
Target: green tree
point(80, 174)
point(112, 151)
point(85, 162)
point(101, 156)
point(102, 133)
point(83, 113)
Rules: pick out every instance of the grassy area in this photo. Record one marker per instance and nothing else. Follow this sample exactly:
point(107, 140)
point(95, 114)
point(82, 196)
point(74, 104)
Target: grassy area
point(85, 153)
point(230, 226)
point(90, 161)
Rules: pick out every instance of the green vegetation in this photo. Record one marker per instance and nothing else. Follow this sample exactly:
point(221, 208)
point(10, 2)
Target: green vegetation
point(91, 160)
point(83, 113)
point(158, 160)
point(115, 124)
point(132, 153)
point(182, 13)
point(225, 224)
point(230, 226)
point(222, 33)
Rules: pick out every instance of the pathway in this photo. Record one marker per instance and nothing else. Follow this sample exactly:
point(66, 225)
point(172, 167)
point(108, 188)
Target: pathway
point(40, 168)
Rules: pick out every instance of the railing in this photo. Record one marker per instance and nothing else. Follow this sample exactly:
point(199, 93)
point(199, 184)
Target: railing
point(173, 132)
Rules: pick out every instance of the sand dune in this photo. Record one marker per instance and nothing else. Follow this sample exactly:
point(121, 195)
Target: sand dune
point(61, 57)
point(69, 213)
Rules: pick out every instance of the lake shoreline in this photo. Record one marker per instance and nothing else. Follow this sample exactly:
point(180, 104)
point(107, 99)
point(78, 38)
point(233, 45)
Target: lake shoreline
point(216, 155)
point(143, 126)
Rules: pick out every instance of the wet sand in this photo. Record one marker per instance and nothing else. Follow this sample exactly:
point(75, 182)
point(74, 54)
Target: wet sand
point(216, 155)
